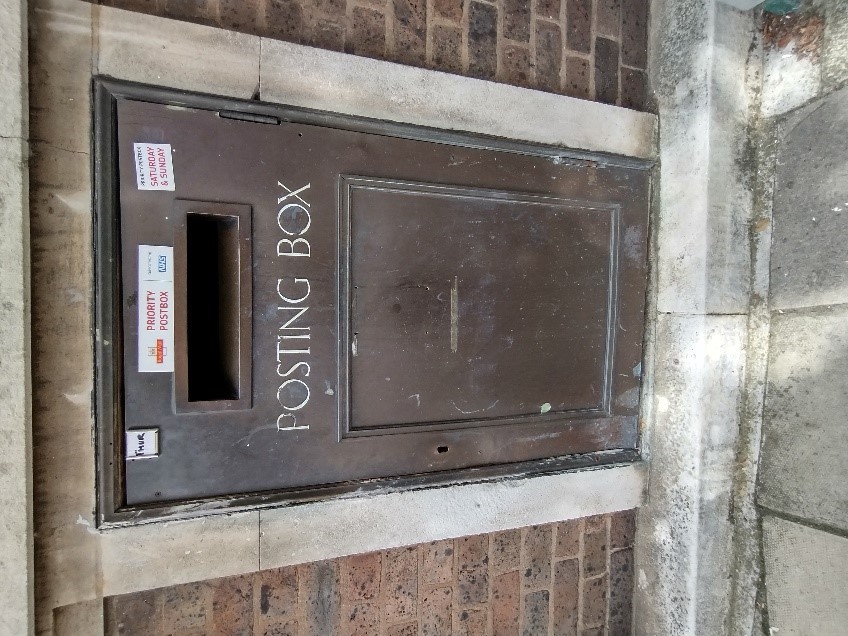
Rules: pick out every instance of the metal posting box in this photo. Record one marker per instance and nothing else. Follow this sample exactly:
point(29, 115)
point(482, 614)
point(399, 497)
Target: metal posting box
point(293, 303)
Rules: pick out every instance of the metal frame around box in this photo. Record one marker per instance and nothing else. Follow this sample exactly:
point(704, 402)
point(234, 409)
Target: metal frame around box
point(108, 306)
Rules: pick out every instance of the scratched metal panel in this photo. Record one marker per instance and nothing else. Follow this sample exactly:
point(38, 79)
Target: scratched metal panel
point(476, 305)
point(417, 302)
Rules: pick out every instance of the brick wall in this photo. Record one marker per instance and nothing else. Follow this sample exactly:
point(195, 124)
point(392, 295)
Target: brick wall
point(591, 49)
point(570, 578)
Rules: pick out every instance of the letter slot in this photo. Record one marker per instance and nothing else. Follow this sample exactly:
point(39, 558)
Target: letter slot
point(213, 307)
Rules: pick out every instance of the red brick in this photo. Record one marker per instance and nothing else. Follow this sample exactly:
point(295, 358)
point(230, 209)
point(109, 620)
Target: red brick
point(277, 608)
point(594, 553)
point(400, 584)
point(232, 606)
point(319, 597)
point(608, 17)
point(633, 95)
point(284, 20)
point(238, 15)
point(506, 599)
point(577, 77)
point(471, 622)
point(621, 593)
point(451, 9)
point(548, 56)
point(447, 48)
point(516, 19)
point(133, 614)
point(536, 613)
point(330, 8)
point(327, 35)
point(277, 590)
point(368, 33)
point(360, 577)
point(578, 22)
point(482, 40)
point(594, 523)
point(472, 552)
point(634, 33)
point(538, 547)
point(623, 524)
point(199, 11)
point(568, 532)
point(406, 629)
point(472, 562)
point(186, 607)
point(360, 619)
point(506, 551)
point(566, 597)
point(436, 608)
point(410, 25)
point(548, 9)
point(437, 563)
point(606, 70)
point(516, 68)
point(280, 629)
point(142, 6)
point(595, 601)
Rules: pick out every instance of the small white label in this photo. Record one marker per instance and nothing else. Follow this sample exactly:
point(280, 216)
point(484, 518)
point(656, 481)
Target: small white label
point(155, 309)
point(142, 443)
point(154, 167)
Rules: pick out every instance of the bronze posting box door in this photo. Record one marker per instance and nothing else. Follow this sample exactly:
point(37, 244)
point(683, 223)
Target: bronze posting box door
point(293, 303)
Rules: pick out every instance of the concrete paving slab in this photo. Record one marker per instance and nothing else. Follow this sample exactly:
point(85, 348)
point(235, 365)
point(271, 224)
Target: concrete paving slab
point(366, 523)
point(684, 533)
point(701, 60)
point(164, 52)
point(60, 73)
point(834, 59)
point(809, 261)
point(15, 415)
point(13, 73)
point(805, 579)
point(803, 471)
point(80, 619)
point(161, 554)
point(326, 80)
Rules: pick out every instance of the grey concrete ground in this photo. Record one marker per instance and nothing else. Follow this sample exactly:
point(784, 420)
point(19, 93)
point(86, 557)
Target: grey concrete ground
point(802, 489)
point(16, 554)
point(747, 511)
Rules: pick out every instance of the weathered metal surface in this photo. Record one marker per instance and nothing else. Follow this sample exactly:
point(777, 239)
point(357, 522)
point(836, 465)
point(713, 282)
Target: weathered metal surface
point(378, 301)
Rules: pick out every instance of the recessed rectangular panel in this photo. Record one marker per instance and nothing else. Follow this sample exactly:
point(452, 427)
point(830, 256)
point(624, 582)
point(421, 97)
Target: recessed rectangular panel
point(475, 305)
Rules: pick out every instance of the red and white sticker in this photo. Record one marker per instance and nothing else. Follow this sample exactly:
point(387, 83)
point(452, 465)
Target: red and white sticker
point(155, 309)
point(154, 167)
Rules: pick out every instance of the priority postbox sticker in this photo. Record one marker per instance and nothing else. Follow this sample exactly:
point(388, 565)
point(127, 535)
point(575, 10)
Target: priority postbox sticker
point(155, 309)
point(154, 166)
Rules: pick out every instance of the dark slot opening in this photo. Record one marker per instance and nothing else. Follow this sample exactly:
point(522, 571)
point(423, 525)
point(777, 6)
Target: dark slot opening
point(212, 310)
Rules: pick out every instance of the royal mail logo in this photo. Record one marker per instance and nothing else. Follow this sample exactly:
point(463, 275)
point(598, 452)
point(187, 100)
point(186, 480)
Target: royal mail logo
point(158, 352)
